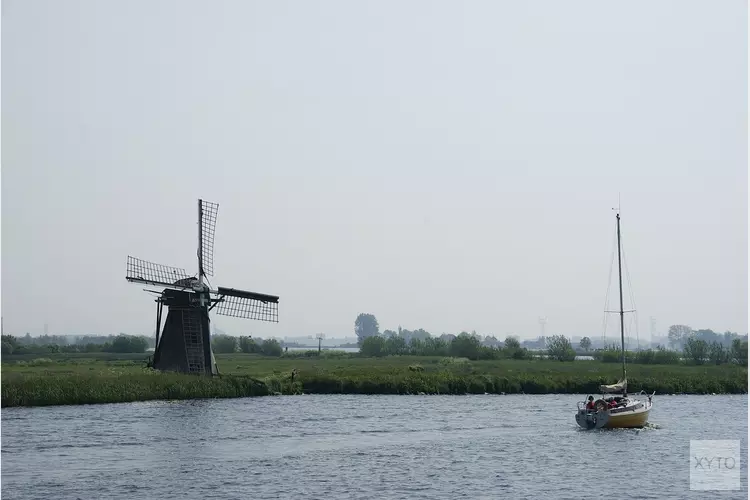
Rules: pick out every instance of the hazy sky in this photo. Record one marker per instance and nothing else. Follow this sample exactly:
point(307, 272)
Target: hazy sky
point(446, 165)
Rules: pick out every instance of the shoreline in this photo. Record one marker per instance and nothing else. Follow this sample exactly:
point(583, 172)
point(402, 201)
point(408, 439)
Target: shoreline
point(36, 390)
point(61, 380)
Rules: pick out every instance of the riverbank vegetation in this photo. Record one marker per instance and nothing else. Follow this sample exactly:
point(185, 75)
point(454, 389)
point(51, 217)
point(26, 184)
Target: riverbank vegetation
point(558, 347)
point(75, 379)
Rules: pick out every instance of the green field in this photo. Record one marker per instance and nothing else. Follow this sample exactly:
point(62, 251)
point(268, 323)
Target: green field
point(29, 380)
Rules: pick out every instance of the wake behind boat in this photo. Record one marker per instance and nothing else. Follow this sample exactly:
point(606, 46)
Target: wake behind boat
point(618, 410)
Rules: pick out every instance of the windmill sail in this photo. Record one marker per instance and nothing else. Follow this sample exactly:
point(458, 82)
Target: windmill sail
point(207, 212)
point(248, 305)
point(149, 273)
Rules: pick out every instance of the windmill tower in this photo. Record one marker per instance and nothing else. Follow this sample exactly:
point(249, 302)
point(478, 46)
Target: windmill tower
point(184, 342)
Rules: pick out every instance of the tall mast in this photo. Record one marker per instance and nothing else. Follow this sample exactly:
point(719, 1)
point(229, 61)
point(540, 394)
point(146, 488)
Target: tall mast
point(622, 312)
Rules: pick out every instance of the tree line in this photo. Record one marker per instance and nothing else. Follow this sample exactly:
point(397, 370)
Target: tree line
point(695, 348)
point(113, 343)
point(227, 344)
point(695, 351)
point(678, 337)
point(463, 345)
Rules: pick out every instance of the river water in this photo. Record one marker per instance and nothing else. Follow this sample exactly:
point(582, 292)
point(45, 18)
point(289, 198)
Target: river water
point(374, 447)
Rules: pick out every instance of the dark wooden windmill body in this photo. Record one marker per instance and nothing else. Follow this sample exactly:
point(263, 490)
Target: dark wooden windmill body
point(183, 343)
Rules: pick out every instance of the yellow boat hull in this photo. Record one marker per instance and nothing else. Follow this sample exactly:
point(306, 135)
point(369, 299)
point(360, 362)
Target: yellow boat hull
point(628, 419)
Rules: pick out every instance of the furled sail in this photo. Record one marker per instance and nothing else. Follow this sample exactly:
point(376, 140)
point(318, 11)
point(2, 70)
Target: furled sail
point(619, 387)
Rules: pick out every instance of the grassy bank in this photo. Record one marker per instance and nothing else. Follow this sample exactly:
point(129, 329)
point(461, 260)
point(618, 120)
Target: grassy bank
point(65, 379)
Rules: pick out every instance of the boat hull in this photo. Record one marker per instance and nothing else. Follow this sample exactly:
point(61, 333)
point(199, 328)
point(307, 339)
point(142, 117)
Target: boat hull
point(632, 416)
point(591, 420)
point(628, 419)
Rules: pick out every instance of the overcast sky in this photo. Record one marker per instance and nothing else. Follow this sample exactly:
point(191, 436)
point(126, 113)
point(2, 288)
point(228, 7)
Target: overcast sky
point(446, 165)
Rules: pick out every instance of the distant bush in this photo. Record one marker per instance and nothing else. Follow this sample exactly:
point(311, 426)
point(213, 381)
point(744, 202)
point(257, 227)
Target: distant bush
point(512, 349)
point(658, 356)
point(374, 346)
point(696, 350)
point(271, 347)
point(126, 343)
point(466, 346)
point(738, 352)
point(718, 354)
point(248, 345)
point(559, 348)
point(224, 344)
point(114, 344)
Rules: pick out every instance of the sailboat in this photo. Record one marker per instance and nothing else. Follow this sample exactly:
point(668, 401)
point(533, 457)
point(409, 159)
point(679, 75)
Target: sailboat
point(615, 409)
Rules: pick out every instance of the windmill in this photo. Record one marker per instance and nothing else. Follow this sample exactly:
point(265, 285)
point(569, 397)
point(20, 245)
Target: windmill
point(184, 343)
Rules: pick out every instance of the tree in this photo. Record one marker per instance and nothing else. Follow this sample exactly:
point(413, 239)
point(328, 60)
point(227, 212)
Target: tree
point(435, 347)
point(585, 344)
point(224, 344)
point(395, 346)
point(490, 341)
point(416, 347)
point(7, 347)
point(127, 343)
point(739, 352)
point(389, 333)
point(512, 343)
point(513, 349)
point(373, 347)
point(10, 344)
point(717, 353)
point(365, 326)
point(696, 350)
point(248, 345)
point(560, 348)
point(420, 334)
point(465, 346)
point(678, 334)
point(271, 347)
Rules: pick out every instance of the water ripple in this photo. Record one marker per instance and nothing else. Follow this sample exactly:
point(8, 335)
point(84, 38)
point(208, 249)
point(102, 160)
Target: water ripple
point(342, 447)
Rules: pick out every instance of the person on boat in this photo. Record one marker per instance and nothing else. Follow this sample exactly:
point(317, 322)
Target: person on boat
point(590, 404)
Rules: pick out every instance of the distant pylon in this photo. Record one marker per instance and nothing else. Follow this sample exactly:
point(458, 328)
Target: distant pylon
point(542, 324)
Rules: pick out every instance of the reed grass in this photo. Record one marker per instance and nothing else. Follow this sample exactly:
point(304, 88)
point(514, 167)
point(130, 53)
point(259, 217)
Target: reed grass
point(64, 380)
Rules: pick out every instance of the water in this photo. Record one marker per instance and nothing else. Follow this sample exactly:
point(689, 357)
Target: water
point(374, 447)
